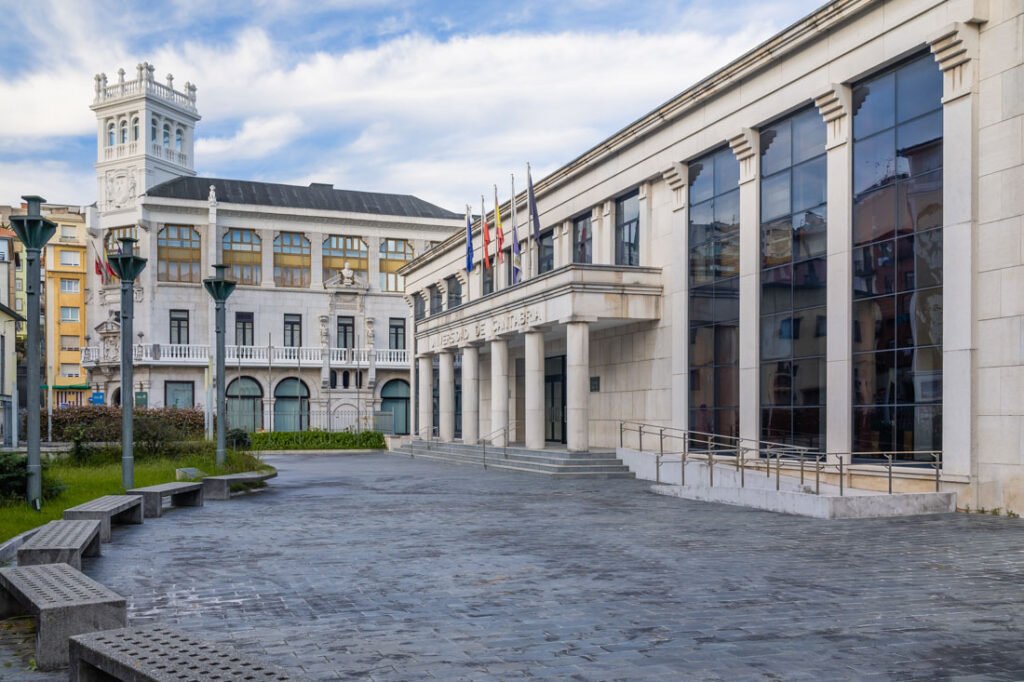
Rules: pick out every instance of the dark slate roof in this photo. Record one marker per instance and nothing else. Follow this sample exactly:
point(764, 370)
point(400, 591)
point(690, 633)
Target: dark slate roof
point(317, 197)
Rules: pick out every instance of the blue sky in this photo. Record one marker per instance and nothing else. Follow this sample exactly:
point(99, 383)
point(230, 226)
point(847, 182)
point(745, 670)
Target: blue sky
point(437, 99)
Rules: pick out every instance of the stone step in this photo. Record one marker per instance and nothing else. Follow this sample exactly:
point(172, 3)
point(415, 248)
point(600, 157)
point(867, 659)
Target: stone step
point(603, 467)
point(544, 457)
point(457, 445)
point(562, 472)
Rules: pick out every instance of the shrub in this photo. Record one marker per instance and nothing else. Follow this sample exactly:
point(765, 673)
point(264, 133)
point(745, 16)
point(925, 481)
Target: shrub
point(238, 439)
point(102, 424)
point(318, 440)
point(14, 478)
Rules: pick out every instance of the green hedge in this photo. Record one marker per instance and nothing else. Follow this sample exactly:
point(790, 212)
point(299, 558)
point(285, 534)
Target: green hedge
point(318, 440)
point(102, 424)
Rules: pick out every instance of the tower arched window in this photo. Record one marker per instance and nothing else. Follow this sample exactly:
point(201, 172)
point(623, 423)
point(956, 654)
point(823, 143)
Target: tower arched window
point(124, 132)
point(167, 135)
point(135, 129)
point(179, 138)
point(178, 254)
point(111, 135)
point(153, 128)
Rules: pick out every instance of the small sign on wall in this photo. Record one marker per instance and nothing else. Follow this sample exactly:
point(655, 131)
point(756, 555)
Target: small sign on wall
point(595, 384)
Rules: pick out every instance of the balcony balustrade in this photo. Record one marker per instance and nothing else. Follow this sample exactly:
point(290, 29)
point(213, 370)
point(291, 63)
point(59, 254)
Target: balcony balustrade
point(170, 354)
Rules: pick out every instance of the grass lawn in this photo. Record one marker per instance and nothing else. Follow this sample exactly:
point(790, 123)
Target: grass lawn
point(86, 482)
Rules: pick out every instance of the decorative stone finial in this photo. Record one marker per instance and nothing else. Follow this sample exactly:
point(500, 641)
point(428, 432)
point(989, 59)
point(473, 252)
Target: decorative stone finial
point(97, 78)
point(170, 81)
point(120, 75)
point(139, 70)
point(213, 194)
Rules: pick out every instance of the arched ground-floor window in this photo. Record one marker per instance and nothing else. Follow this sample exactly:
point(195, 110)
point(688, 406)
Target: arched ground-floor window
point(245, 404)
point(395, 399)
point(291, 405)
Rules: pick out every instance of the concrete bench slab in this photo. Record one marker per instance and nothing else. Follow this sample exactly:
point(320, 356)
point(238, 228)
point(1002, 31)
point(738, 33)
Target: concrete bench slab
point(219, 487)
point(61, 542)
point(161, 654)
point(108, 509)
point(181, 494)
point(64, 601)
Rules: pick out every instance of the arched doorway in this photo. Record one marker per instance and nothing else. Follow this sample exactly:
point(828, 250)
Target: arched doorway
point(395, 399)
point(291, 405)
point(244, 404)
point(115, 398)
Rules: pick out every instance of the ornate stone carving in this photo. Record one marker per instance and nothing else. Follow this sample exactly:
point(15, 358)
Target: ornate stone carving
point(834, 105)
point(955, 49)
point(676, 177)
point(745, 146)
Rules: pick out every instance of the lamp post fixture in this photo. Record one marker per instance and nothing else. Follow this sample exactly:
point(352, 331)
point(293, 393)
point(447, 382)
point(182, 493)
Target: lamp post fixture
point(127, 266)
point(34, 231)
point(220, 287)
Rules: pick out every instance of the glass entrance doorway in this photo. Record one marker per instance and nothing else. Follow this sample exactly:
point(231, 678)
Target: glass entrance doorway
point(554, 399)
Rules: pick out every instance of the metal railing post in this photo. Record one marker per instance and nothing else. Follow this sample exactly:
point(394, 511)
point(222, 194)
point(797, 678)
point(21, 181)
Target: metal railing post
point(640, 438)
point(622, 426)
point(817, 474)
point(938, 469)
point(841, 481)
point(801, 471)
point(682, 469)
point(740, 457)
point(889, 457)
point(778, 469)
point(711, 468)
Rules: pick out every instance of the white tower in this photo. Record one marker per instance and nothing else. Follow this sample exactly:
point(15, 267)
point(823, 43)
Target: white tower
point(144, 135)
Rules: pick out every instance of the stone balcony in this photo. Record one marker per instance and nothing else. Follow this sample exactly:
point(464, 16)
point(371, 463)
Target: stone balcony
point(605, 295)
point(196, 355)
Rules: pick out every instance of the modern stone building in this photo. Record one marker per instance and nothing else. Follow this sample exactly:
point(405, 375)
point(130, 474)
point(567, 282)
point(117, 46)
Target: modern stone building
point(316, 329)
point(820, 244)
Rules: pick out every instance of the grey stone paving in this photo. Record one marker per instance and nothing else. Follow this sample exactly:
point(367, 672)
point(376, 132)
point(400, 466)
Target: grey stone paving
point(379, 567)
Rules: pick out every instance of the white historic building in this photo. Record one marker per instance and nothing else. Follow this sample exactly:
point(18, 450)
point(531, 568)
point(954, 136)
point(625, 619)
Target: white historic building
point(316, 329)
point(821, 244)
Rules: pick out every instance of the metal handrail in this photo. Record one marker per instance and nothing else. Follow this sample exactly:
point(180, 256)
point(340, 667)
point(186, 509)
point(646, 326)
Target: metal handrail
point(795, 455)
point(431, 437)
point(504, 429)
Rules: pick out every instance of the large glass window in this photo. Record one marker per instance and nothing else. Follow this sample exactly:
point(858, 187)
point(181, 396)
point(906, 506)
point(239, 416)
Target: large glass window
point(179, 394)
point(435, 299)
point(582, 240)
point(546, 252)
point(244, 398)
point(178, 253)
point(179, 327)
point(487, 279)
point(793, 279)
point(340, 250)
point(714, 293)
point(243, 253)
point(244, 329)
point(291, 260)
point(454, 287)
point(346, 331)
point(627, 229)
point(292, 330)
point(394, 253)
point(418, 307)
point(897, 261)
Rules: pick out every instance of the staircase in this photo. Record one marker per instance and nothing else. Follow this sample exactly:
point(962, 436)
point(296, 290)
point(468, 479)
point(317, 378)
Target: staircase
point(557, 463)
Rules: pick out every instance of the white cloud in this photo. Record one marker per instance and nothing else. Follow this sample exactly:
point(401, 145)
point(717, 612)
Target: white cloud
point(56, 181)
point(257, 138)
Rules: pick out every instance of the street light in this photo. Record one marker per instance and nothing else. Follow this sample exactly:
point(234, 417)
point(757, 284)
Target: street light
point(220, 287)
point(34, 231)
point(127, 266)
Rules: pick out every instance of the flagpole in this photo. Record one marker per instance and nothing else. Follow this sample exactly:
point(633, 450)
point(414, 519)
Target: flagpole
point(486, 239)
point(517, 270)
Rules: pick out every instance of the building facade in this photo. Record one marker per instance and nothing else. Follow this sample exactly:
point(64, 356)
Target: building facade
point(64, 311)
point(820, 244)
point(316, 329)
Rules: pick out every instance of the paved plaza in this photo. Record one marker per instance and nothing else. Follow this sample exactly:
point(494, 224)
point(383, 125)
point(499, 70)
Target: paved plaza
point(380, 567)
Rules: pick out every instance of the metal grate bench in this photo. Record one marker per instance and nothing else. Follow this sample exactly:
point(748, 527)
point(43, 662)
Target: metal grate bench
point(219, 487)
point(181, 494)
point(61, 542)
point(108, 509)
point(64, 601)
point(160, 654)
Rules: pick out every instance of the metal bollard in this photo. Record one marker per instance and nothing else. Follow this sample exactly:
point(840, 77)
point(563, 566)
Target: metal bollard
point(889, 457)
point(682, 461)
point(641, 438)
point(817, 474)
point(778, 470)
point(657, 468)
point(711, 468)
point(841, 482)
point(740, 455)
point(621, 427)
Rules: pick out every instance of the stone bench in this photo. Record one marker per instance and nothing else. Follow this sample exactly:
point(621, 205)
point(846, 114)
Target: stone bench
point(61, 542)
point(108, 509)
point(219, 487)
point(64, 601)
point(160, 654)
point(181, 494)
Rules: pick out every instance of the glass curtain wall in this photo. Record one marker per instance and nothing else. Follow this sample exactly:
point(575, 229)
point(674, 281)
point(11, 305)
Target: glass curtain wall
point(793, 277)
point(714, 293)
point(897, 261)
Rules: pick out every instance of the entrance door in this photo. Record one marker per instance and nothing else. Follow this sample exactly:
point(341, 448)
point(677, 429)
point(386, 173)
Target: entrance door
point(554, 399)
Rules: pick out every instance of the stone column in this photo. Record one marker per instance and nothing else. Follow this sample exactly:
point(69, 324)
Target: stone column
point(745, 146)
point(267, 254)
point(425, 398)
point(373, 262)
point(316, 260)
point(834, 105)
point(577, 399)
point(956, 50)
point(676, 178)
point(446, 396)
point(534, 400)
point(470, 394)
point(499, 391)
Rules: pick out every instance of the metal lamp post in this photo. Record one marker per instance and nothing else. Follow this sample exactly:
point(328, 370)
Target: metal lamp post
point(34, 231)
point(127, 266)
point(220, 287)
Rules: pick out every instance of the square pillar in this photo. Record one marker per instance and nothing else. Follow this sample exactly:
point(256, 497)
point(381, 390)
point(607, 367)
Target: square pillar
point(499, 392)
point(424, 397)
point(534, 389)
point(446, 396)
point(577, 398)
point(316, 260)
point(676, 178)
point(470, 394)
point(267, 258)
point(746, 147)
point(834, 106)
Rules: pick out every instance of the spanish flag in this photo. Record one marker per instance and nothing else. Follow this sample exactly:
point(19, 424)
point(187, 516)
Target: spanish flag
point(487, 234)
point(499, 231)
